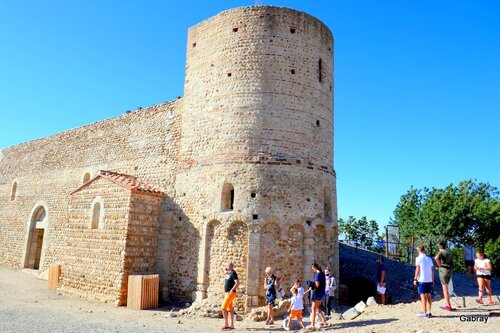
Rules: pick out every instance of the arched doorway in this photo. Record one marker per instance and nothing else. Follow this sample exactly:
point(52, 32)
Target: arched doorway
point(37, 225)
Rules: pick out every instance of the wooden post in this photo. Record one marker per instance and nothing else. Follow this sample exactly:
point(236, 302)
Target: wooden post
point(387, 242)
point(54, 276)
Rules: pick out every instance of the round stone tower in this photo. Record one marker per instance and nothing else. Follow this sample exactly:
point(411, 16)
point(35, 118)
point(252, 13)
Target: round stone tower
point(256, 176)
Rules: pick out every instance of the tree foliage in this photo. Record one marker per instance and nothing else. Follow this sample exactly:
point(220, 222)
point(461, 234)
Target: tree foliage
point(469, 210)
point(363, 232)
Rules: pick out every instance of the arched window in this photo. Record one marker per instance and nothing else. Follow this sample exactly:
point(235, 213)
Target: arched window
point(86, 178)
point(97, 214)
point(327, 205)
point(227, 200)
point(13, 192)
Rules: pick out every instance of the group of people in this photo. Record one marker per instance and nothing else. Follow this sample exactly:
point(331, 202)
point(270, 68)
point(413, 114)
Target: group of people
point(319, 291)
point(424, 275)
point(322, 289)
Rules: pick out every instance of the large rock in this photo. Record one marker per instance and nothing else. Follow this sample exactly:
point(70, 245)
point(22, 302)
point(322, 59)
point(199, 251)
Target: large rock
point(371, 301)
point(280, 310)
point(351, 314)
point(361, 306)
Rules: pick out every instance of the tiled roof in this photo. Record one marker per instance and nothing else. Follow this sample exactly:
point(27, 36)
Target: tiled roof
point(126, 181)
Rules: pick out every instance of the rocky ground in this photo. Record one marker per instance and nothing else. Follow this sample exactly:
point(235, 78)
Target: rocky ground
point(26, 305)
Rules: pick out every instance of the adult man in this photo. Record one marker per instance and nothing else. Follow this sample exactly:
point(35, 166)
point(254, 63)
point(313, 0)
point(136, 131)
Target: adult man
point(380, 277)
point(444, 260)
point(230, 286)
point(424, 280)
point(469, 255)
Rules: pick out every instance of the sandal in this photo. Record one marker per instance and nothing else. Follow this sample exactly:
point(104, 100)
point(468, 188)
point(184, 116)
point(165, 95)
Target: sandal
point(491, 302)
point(479, 301)
point(224, 328)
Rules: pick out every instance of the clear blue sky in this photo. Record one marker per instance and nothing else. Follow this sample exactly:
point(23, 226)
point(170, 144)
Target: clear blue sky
point(417, 83)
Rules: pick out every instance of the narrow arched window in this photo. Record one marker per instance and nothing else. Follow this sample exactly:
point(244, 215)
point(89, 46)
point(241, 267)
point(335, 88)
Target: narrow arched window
point(320, 70)
point(97, 214)
point(86, 178)
point(13, 192)
point(327, 205)
point(227, 200)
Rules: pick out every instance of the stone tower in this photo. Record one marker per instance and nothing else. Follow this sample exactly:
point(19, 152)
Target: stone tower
point(256, 174)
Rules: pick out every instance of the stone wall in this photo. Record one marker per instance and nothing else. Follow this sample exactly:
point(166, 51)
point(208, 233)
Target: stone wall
point(92, 265)
point(257, 118)
point(143, 143)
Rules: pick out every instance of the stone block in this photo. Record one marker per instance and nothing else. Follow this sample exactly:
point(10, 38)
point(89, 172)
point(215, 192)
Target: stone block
point(360, 307)
point(371, 301)
point(351, 314)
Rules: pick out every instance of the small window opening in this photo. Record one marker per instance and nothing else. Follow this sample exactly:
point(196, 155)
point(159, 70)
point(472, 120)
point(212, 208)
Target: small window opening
point(194, 44)
point(331, 88)
point(317, 123)
point(308, 199)
point(253, 194)
point(293, 30)
point(320, 70)
point(229, 74)
point(13, 192)
point(86, 178)
point(292, 71)
point(255, 216)
point(96, 216)
point(227, 200)
point(235, 29)
point(308, 223)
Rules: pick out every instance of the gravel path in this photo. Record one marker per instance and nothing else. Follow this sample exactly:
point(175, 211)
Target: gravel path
point(26, 305)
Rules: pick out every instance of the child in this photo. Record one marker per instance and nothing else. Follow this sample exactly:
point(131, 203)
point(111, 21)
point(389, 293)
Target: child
point(295, 308)
point(298, 285)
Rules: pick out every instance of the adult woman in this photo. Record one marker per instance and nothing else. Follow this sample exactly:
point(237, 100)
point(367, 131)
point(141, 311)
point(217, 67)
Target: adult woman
point(331, 285)
point(482, 266)
point(319, 295)
point(271, 285)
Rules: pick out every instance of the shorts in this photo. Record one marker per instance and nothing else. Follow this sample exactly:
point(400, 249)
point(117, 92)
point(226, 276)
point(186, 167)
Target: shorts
point(270, 298)
point(318, 297)
point(444, 275)
point(469, 263)
point(424, 288)
point(296, 314)
point(227, 303)
point(486, 277)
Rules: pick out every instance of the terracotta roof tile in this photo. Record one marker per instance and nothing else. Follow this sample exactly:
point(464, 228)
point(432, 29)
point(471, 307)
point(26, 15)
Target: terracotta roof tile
point(126, 181)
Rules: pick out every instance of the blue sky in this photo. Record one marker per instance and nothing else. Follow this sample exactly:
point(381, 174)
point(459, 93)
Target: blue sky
point(417, 83)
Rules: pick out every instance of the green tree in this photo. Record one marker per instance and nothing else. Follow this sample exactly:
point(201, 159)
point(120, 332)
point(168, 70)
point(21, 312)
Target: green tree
point(469, 210)
point(363, 232)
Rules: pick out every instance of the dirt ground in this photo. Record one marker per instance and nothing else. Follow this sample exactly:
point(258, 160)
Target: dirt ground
point(26, 305)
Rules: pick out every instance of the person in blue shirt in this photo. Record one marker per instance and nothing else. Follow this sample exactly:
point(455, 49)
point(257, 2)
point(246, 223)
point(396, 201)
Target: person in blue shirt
point(318, 296)
point(380, 277)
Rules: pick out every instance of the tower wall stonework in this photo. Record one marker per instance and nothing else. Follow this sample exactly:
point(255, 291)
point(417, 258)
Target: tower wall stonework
point(245, 161)
point(258, 114)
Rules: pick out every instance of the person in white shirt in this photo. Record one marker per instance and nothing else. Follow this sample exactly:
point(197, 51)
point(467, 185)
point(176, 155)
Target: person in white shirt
point(482, 265)
point(295, 309)
point(424, 280)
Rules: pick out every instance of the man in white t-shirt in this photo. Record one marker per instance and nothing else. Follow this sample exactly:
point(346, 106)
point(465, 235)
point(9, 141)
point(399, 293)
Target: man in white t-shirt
point(424, 280)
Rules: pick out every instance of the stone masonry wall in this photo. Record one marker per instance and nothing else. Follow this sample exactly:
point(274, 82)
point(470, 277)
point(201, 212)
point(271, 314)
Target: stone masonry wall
point(259, 116)
point(93, 261)
point(143, 143)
